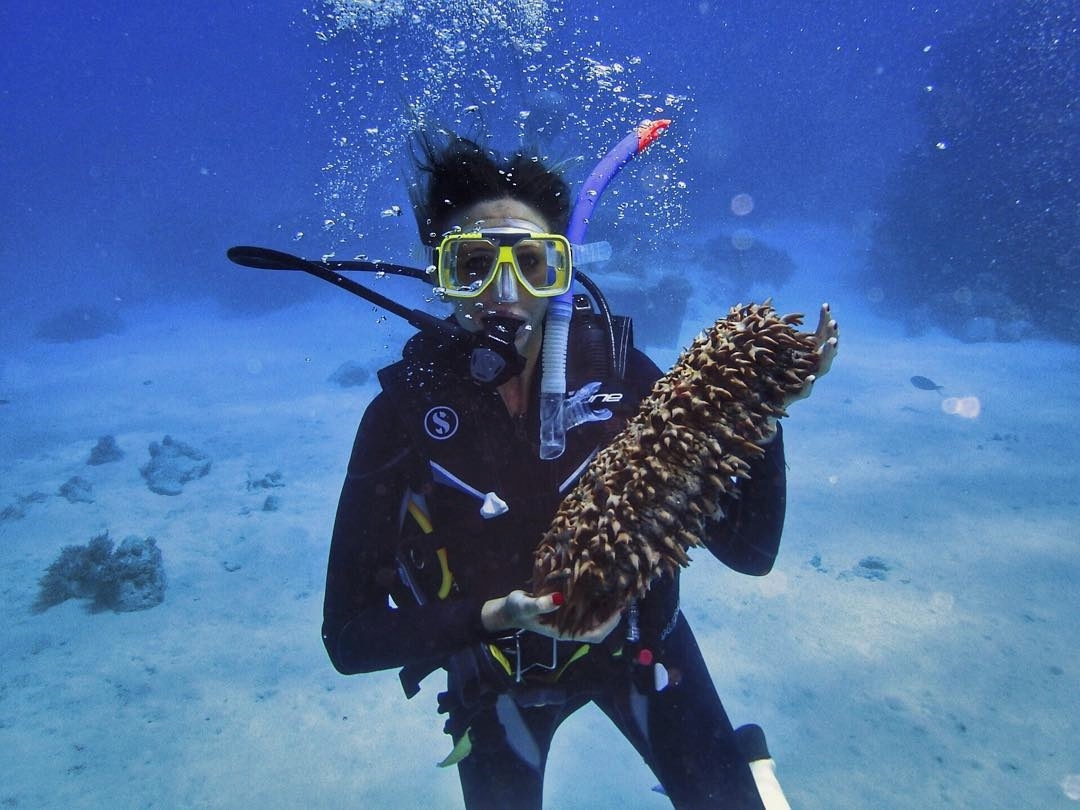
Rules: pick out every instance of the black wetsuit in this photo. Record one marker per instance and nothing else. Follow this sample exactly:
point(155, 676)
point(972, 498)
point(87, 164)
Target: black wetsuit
point(425, 436)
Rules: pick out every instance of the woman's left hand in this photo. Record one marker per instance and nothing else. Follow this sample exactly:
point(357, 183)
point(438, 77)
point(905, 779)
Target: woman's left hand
point(827, 338)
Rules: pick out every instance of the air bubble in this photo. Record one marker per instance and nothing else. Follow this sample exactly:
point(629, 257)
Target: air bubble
point(742, 204)
point(417, 62)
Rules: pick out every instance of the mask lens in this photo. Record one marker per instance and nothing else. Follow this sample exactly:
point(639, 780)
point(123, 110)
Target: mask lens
point(466, 265)
point(532, 261)
point(544, 265)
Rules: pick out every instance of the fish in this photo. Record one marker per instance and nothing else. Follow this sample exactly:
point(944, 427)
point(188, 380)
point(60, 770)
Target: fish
point(926, 384)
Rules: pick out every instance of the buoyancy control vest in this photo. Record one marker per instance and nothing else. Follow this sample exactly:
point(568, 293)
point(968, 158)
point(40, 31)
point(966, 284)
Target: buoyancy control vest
point(485, 491)
point(483, 497)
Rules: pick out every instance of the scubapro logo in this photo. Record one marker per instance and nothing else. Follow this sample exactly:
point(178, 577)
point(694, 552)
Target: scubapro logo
point(441, 422)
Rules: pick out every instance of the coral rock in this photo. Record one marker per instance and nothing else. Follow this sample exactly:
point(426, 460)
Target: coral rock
point(129, 578)
point(173, 464)
point(77, 490)
point(105, 451)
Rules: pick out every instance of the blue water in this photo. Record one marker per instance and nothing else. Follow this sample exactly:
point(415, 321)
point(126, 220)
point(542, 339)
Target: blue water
point(938, 144)
point(139, 139)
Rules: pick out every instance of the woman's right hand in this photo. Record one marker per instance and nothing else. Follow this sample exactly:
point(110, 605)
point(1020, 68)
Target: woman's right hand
point(518, 610)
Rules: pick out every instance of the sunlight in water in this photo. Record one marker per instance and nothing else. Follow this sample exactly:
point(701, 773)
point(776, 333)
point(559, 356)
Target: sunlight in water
point(966, 407)
point(1071, 785)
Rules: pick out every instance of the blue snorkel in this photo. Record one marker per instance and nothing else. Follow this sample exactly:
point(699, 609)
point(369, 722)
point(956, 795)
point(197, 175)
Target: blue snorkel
point(557, 414)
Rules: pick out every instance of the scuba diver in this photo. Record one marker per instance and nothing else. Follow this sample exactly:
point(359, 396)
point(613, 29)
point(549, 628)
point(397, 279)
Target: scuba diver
point(457, 470)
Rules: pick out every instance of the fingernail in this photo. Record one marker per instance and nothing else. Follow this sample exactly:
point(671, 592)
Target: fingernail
point(557, 599)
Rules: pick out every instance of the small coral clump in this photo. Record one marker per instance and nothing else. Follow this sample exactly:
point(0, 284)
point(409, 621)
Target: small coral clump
point(131, 577)
point(105, 451)
point(77, 490)
point(173, 464)
point(644, 499)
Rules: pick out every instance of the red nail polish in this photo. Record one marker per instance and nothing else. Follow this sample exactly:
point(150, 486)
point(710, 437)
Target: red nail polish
point(558, 599)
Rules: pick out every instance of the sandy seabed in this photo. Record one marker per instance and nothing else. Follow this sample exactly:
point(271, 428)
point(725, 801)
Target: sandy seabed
point(916, 645)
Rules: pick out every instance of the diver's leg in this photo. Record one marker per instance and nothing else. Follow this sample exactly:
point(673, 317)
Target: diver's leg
point(685, 735)
point(505, 768)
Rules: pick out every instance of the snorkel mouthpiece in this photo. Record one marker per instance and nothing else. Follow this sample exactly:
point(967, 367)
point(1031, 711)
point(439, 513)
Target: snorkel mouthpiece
point(495, 358)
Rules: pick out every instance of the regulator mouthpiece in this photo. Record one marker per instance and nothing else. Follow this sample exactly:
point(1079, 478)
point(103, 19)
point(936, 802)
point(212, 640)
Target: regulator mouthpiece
point(495, 358)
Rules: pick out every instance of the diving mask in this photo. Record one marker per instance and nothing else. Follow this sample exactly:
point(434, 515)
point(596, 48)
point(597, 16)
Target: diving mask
point(469, 262)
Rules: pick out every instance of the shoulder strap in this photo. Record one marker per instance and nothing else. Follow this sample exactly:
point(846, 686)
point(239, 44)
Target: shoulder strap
point(597, 352)
point(622, 327)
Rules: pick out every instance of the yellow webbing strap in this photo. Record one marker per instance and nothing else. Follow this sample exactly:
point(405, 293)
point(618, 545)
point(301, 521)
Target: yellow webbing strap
point(447, 577)
point(462, 748)
point(417, 509)
point(419, 514)
point(500, 656)
point(580, 652)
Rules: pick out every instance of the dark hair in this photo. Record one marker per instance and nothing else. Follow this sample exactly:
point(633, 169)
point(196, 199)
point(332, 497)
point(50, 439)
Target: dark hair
point(455, 172)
